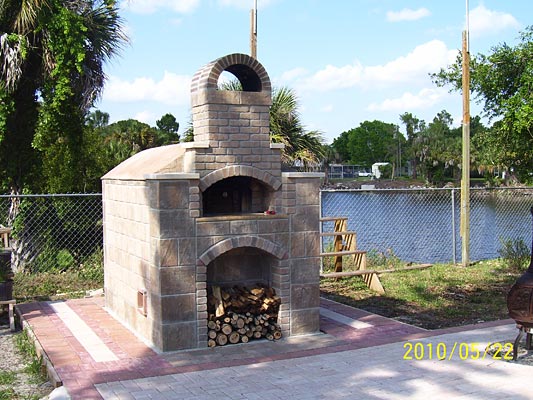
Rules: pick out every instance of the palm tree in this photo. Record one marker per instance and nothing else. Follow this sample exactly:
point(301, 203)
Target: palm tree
point(302, 148)
point(51, 70)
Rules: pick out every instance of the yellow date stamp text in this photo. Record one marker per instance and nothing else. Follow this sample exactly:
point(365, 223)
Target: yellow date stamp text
point(460, 350)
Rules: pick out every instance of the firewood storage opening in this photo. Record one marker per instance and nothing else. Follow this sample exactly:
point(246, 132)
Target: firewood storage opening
point(242, 304)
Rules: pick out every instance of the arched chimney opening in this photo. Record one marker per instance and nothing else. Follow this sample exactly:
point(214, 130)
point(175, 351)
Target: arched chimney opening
point(250, 81)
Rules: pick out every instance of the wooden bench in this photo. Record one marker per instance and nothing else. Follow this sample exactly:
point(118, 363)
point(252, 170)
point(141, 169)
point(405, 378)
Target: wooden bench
point(11, 305)
point(4, 235)
point(345, 244)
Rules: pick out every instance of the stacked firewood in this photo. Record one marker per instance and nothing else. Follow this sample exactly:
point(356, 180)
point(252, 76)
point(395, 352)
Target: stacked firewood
point(239, 314)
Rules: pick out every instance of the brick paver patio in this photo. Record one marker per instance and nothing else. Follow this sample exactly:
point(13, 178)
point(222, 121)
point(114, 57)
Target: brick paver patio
point(347, 360)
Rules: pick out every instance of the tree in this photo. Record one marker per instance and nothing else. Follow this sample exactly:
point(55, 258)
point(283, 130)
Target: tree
point(442, 155)
point(169, 129)
point(371, 142)
point(52, 72)
point(302, 147)
point(502, 82)
point(413, 127)
point(97, 120)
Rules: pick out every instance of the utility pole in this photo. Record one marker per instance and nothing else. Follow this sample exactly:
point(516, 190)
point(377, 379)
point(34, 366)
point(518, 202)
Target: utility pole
point(465, 178)
point(253, 31)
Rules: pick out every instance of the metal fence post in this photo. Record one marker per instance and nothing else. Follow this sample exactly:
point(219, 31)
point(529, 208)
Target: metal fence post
point(320, 230)
point(454, 256)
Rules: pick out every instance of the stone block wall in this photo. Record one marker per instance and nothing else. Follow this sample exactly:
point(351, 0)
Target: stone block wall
point(301, 203)
point(127, 248)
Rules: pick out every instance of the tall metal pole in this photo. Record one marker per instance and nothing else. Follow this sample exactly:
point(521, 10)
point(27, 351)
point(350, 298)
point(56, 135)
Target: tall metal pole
point(253, 31)
point(465, 178)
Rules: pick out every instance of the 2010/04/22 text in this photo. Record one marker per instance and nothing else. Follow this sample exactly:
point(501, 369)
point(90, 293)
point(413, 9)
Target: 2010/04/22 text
point(465, 351)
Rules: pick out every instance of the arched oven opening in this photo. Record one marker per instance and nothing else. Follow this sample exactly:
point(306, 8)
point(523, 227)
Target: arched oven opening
point(236, 195)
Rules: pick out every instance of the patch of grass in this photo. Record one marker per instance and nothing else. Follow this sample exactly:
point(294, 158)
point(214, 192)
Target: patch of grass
point(34, 363)
point(52, 286)
point(7, 377)
point(442, 296)
point(374, 260)
point(7, 394)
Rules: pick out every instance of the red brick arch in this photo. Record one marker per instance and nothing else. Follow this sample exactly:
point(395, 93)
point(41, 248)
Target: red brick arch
point(239, 170)
point(246, 69)
point(242, 241)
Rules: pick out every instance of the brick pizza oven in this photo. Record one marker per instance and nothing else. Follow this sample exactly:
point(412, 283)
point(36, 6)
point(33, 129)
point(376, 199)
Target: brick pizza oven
point(181, 218)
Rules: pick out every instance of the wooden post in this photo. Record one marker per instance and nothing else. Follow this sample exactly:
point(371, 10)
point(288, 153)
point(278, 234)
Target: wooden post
point(253, 31)
point(340, 226)
point(465, 178)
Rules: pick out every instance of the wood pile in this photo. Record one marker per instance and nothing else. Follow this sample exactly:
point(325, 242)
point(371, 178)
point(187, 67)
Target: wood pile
point(239, 314)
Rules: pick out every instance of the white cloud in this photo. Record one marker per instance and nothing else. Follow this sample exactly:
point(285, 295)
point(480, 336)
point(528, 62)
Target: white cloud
point(151, 6)
point(484, 21)
point(327, 109)
point(425, 98)
point(332, 77)
point(293, 74)
point(424, 59)
point(407, 14)
point(172, 89)
point(411, 68)
point(145, 116)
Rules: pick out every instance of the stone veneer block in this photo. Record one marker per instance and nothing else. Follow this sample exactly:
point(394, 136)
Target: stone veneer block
point(170, 195)
point(168, 224)
point(169, 309)
point(305, 270)
point(165, 252)
point(305, 296)
point(177, 280)
point(178, 336)
point(187, 251)
point(243, 227)
point(304, 322)
point(306, 218)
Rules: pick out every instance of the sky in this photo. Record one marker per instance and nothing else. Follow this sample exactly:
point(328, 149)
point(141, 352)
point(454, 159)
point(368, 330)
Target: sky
point(348, 61)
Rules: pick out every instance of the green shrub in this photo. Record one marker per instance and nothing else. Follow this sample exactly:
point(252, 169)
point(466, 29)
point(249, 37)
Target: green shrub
point(64, 260)
point(92, 269)
point(386, 258)
point(515, 253)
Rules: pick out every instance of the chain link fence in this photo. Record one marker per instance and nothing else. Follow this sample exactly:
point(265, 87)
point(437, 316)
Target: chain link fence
point(57, 232)
point(423, 225)
point(53, 232)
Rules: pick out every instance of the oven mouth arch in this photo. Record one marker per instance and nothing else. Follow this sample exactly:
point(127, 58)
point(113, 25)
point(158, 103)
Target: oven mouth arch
point(239, 170)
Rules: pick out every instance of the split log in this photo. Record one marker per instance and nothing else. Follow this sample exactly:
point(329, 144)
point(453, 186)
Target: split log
point(234, 337)
point(227, 329)
point(240, 323)
point(219, 304)
point(221, 339)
